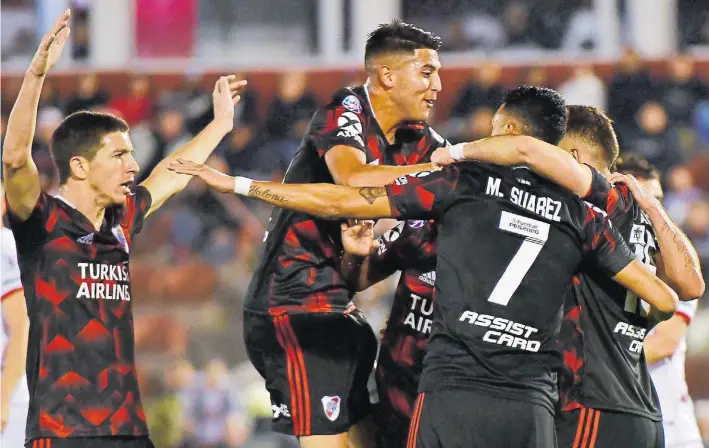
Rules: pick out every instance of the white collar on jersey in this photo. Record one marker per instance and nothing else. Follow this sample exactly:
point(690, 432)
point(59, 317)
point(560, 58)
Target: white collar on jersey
point(366, 95)
point(61, 198)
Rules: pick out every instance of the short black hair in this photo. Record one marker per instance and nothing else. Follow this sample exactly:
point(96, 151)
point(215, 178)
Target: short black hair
point(80, 134)
point(638, 166)
point(398, 37)
point(595, 127)
point(542, 110)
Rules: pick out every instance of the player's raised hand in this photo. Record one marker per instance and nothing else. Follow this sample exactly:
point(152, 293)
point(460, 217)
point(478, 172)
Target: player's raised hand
point(641, 194)
point(51, 46)
point(358, 238)
point(225, 96)
point(215, 179)
point(442, 157)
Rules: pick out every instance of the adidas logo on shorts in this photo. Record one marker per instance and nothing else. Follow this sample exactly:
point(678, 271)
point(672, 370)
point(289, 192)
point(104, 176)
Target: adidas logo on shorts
point(86, 239)
point(428, 277)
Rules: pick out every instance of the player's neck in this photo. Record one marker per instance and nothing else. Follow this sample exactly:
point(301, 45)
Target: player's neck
point(386, 111)
point(84, 200)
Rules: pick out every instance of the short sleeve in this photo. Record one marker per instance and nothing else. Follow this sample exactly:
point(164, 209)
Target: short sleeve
point(10, 279)
point(34, 231)
point(338, 123)
point(603, 245)
point(136, 207)
point(426, 194)
point(599, 190)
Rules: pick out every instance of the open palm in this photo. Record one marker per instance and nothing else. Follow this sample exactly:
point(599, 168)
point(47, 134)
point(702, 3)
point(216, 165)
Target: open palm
point(358, 239)
point(51, 46)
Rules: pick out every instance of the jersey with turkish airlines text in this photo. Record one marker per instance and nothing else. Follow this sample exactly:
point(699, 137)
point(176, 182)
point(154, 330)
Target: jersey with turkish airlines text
point(299, 267)
point(80, 356)
point(509, 243)
point(605, 324)
point(410, 247)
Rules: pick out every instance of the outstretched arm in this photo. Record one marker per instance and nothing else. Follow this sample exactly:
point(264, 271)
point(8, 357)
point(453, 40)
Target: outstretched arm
point(163, 183)
point(325, 201)
point(21, 178)
point(543, 158)
point(677, 260)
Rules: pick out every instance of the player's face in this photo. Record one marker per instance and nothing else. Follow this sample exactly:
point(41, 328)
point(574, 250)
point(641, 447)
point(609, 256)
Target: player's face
point(112, 171)
point(417, 84)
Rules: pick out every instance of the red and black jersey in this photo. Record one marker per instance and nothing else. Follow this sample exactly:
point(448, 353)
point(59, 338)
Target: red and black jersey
point(605, 324)
point(509, 243)
point(410, 247)
point(298, 270)
point(80, 357)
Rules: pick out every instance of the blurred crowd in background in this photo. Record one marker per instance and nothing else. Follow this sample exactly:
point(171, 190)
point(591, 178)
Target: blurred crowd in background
point(194, 258)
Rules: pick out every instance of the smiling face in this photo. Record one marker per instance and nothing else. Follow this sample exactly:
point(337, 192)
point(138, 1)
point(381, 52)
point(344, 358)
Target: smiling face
point(415, 83)
point(112, 170)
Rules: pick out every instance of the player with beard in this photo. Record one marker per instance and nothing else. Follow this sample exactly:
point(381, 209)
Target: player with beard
point(509, 244)
point(666, 344)
point(73, 252)
point(298, 326)
point(607, 394)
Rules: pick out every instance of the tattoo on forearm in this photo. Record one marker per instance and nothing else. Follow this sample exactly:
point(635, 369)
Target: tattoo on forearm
point(372, 193)
point(257, 192)
point(679, 242)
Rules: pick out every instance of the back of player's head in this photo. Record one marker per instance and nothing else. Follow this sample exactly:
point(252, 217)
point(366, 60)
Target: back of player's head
point(541, 111)
point(594, 127)
point(638, 166)
point(398, 37)
point(80, 134)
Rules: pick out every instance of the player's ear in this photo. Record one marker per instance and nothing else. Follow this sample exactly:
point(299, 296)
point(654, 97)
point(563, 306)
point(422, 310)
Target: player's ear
point(575, 153)
point(387, 77)
point(79, 167)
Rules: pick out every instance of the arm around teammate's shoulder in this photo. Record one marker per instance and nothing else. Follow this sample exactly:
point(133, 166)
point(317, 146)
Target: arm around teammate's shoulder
point(638, 279)
point(348, 167)
point(543, 158)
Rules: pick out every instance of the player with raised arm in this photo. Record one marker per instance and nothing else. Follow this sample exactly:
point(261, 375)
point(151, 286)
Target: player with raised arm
point(606, 391)
point(315, 359)
point(509, 245)
point(14, 327)
point(665, 345)
point(73, 253)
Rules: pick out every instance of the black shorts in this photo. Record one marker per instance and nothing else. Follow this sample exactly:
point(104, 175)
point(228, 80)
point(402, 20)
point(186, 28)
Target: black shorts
point(586, 428)
point(392, 428)
point(459, 418)
point(90, 442)
point(316, 368)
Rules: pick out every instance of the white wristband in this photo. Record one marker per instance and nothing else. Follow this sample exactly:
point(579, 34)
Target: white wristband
point(456, 152)
point(242, 185)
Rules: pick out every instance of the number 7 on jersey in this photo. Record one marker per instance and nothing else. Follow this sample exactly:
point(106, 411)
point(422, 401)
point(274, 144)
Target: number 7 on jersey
point(536, 234)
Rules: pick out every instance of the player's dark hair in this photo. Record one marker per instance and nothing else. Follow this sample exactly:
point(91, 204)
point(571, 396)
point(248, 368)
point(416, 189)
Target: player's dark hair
point(638, 166)
point(398, 37)
point(80, 134)
point(595, 127)
point(542, 111)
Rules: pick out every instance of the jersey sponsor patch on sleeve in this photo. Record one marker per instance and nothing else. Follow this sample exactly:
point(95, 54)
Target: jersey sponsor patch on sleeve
point(350, 126)
point(351, 103)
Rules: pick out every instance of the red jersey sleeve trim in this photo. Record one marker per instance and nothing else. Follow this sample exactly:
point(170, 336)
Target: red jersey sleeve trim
point(9, 293)
point(687, 318)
